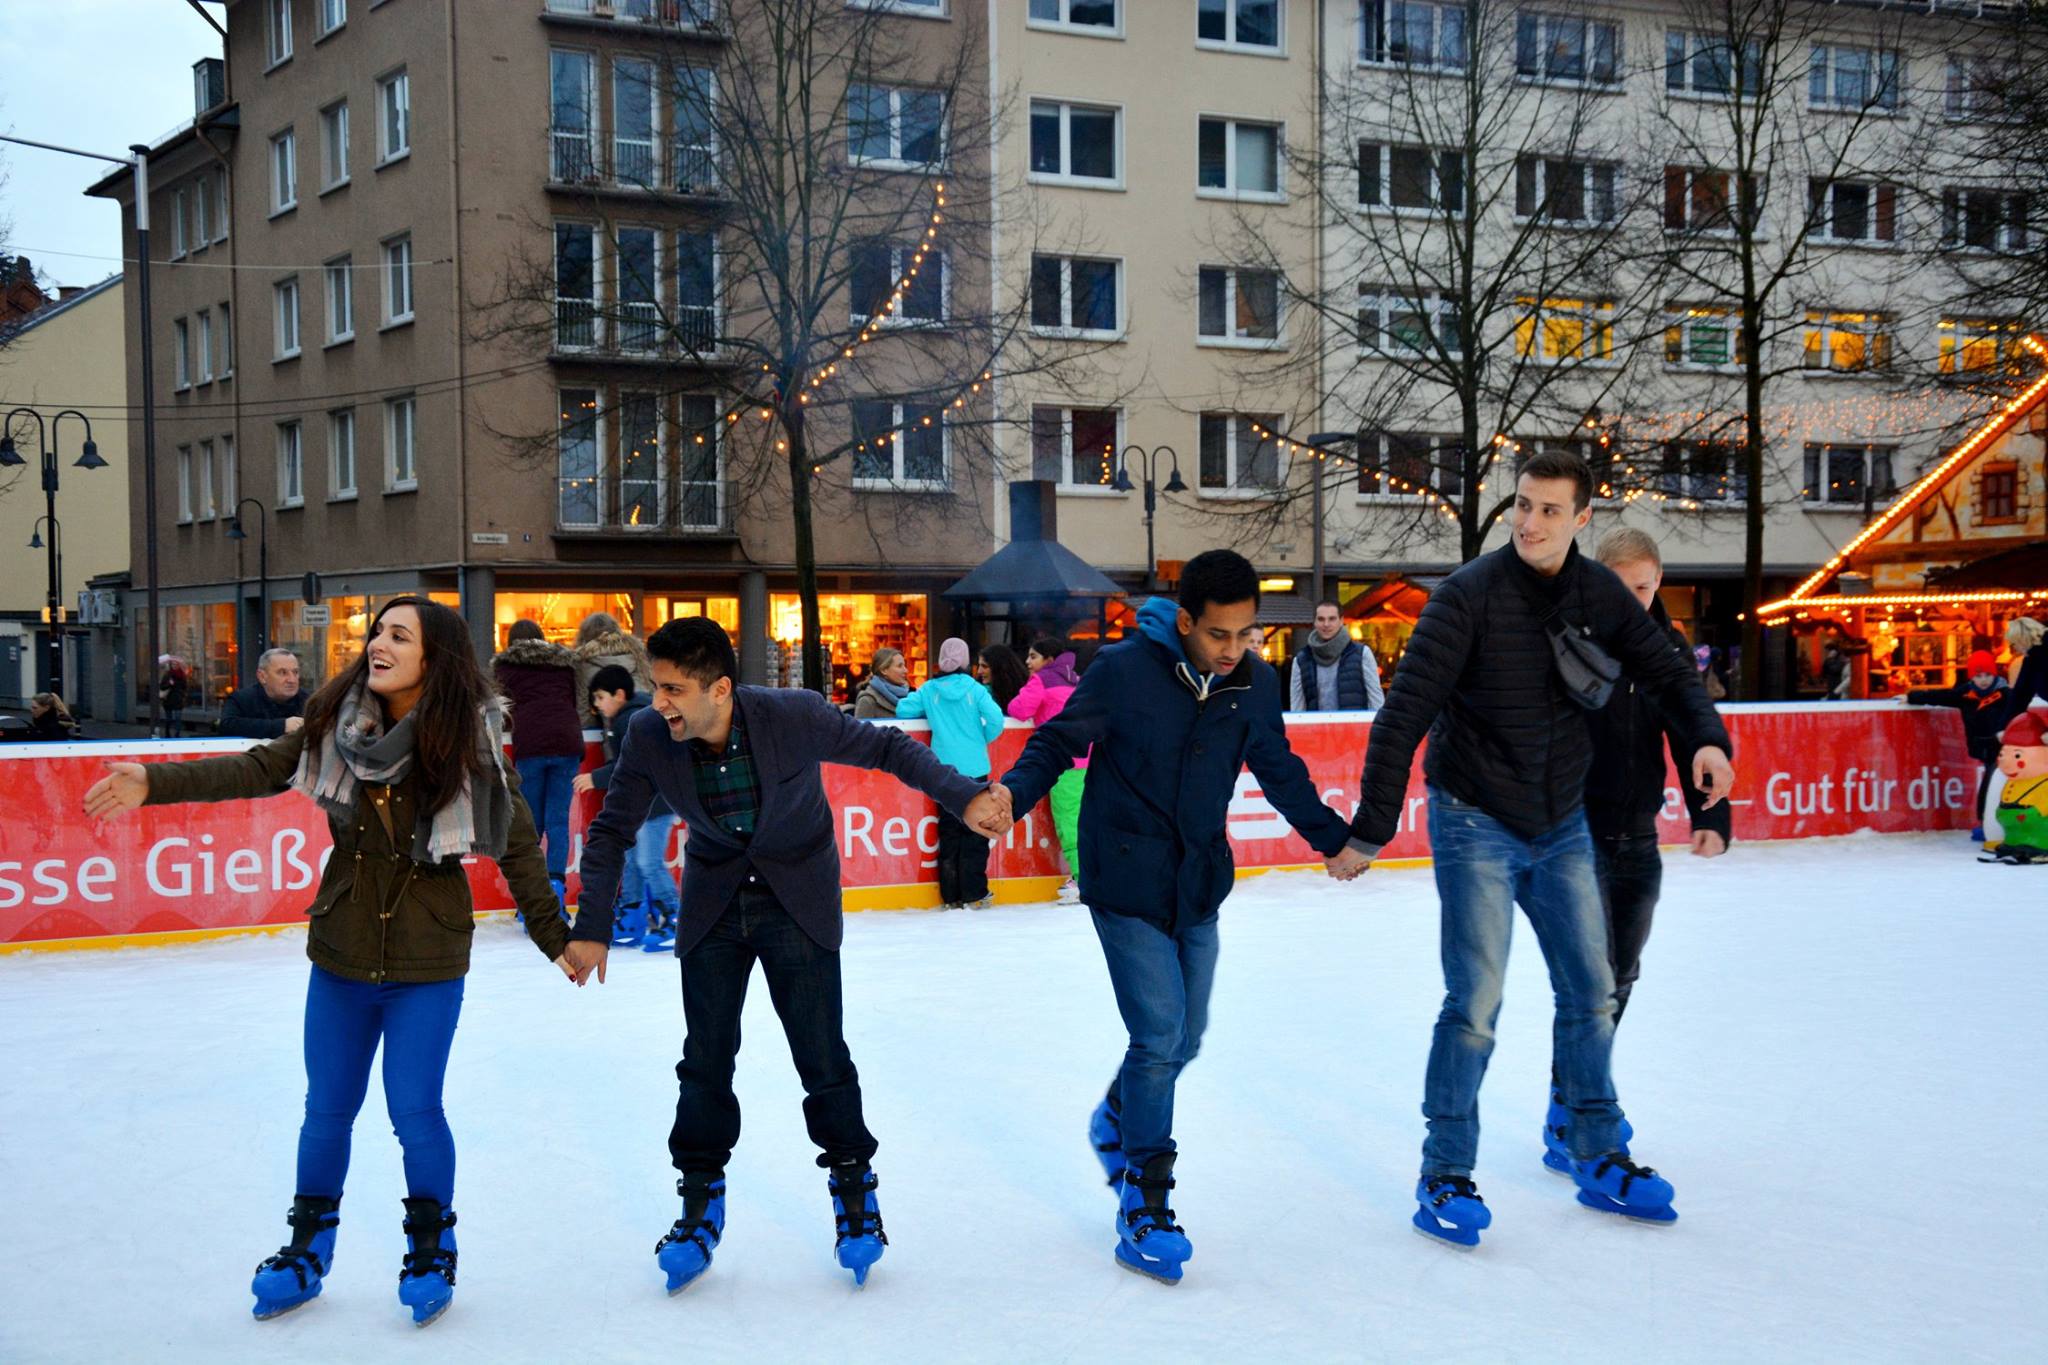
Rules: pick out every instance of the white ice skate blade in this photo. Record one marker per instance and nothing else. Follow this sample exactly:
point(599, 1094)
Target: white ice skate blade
point(1462, 1248)
point(435, 1316)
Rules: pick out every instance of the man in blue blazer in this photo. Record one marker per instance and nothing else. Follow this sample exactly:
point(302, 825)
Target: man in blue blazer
point(1173, 716)
point(760, 883)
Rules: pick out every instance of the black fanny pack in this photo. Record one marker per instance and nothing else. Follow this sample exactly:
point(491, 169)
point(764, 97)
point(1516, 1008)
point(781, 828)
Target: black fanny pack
point(1587, 671)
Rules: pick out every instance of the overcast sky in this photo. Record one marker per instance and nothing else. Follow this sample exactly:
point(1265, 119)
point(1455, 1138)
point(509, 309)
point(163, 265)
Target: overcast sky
point(96, 74)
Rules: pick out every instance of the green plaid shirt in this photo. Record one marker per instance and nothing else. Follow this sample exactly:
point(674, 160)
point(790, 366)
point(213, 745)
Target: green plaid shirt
point(727, 783)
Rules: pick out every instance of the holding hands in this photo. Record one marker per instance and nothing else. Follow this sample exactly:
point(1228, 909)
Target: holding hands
point(581, 958)
point(582, 784)
point(989, 814)
point(1347, 865)
point(125, 787)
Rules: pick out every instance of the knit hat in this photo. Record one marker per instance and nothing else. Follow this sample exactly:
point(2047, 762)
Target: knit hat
point(953, 655)
point(2026, 731)
point(1982, 662)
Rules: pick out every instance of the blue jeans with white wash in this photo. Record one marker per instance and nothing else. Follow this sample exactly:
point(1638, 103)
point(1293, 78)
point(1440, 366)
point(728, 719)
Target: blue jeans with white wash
point(1483, 869)
point(650, 861)
point(545, 783)
point(1162, 985)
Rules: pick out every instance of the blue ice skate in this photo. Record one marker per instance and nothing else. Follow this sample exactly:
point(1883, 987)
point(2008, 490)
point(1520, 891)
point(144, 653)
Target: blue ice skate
point(1557, 1149)
point(629, 925)
point(291, 1279)
point(1449, 1209)
point(1615, 1184)
point(426, 1277)
point(857, 1218)
point(685, 1253)
point(661, 929)
point(1148, 1240)
point(1106, 1132)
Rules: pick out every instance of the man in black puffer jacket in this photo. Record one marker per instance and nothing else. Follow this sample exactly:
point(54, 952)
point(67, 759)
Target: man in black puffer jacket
point(1508, 756)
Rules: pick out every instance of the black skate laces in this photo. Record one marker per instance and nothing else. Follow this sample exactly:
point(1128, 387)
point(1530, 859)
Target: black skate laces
point(433, 1259)
point(693, 1226)
point(1443, 1188)
point(1630, 1172)
point(854, 1215)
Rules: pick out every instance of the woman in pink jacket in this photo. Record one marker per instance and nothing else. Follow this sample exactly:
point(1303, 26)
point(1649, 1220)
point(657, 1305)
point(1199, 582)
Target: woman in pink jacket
point(1053, 680)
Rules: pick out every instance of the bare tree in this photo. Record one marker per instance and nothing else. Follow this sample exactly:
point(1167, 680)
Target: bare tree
point(828, 303)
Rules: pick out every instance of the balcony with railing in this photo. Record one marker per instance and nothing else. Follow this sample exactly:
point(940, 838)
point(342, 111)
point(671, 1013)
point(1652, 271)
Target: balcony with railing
point(632, 166)
point(689, 16)
point(639, 331)
point(682, 508)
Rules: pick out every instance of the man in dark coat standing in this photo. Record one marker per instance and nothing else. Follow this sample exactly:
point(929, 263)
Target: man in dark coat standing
point(1509, 751)
point(270, 707)
point(741, 765)
point(1173, 716)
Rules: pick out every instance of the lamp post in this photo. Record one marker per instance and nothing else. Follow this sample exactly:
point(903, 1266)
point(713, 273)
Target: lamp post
point(46, 453)
point(1322, 440)
point(1149, 462)
point(235, 532)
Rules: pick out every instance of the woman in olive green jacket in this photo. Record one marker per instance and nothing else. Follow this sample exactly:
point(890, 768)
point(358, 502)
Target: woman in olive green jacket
point(404, 752)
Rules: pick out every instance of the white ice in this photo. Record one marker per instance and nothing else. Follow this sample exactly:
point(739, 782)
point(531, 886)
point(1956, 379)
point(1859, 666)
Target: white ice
point(1836, 1052)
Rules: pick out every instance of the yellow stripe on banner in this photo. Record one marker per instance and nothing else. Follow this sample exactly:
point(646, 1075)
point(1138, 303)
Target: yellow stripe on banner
point(159, 939)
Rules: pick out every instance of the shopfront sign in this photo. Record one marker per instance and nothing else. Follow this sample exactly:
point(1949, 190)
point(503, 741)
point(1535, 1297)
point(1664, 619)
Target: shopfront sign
point(1806, 770)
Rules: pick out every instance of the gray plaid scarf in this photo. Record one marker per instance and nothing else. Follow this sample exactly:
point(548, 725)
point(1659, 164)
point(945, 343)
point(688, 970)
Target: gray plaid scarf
point(360, 749)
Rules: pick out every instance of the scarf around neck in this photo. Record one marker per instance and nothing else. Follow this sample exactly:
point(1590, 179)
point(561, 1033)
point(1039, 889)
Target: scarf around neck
point(359, 748)
point(889, 692)
point(1331, 650)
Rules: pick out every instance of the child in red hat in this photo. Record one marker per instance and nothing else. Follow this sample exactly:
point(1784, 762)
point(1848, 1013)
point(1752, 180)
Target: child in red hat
point(2023, 804)
point(1980, 694)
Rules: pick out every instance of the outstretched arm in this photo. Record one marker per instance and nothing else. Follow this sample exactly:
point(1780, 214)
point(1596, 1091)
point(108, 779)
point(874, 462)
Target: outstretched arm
point(526, 872)
point(886, 748)
point(1284, 779)
point(1055, 745)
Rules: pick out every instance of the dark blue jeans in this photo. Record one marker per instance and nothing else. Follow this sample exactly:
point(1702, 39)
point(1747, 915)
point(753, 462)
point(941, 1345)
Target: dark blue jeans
point(1162, 985)
point(803, 982)
point(1483, 869)
point(344, 1021)
point(544, 782)
point(1631, 874)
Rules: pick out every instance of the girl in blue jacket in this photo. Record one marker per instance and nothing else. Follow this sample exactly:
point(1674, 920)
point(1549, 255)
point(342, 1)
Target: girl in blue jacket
point(964, 718)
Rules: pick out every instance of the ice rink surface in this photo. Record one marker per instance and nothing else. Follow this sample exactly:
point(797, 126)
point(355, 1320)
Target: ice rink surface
point(1837, 1053)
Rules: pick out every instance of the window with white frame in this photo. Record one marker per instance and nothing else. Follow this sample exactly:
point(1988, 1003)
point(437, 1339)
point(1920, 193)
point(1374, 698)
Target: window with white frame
point(572, 117)
point(227, 341)
point(1394, 464)
point(1703, 470)
point(178, 244)
point(1705, 65)
point(1851, 211)
point(1700, 199)
point(220, 205)
point(1702, 337)
point(394, 116)
point(1075, 294)
point(633, 146)
point(334, 144)
point(1238, 452)
point(1607, 468)
point(1239, 23)
point(291, 464)
point(1559, 331)
point(398, 280)
point(1983, 220)
point(284, 172)
point(340, 274)
point(341, 453)
point(888, 125)
point(401, 451)
point(1565, 192)
point(1399, 175)
point(181, 353)
point(639, 301)
point(1077, 143)
point(186, 483)
point(885, 289)
point(1838, 475)
point(642, 476)
point(694, 135)
point(202, 214)
point(1861, 79)
point(277, 30)
point(230, 477)
point(207, 509)
point(576, 320)
point(1967, 344)
point(284, 298)
point(1411, 33)
point(700, 475)
point(1082, 16)
point(899, 445)
point(695, 323)
point(1979, 88)
point(1237, 157)
point(202, 345)
point(926, 7)
point(1076, 447)
point(1846, 342)
point(1567, 48)
point(333, 14)
point(1398, 322)
point(579, 464)
point(1237, 305)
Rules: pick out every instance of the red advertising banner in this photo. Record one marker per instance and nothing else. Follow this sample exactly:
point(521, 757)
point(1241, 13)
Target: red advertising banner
point(1805, 770)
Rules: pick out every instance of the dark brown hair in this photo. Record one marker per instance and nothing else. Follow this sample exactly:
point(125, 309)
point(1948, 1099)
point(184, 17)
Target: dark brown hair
point(1562, 464)
point(447, 731)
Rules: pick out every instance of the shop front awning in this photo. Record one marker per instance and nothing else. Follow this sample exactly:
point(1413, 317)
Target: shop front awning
point(1033, 571)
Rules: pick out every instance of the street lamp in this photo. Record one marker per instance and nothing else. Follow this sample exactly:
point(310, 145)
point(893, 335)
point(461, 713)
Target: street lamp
point(1321, 441)
point(46, 454)
point(235, 532)
point(1149, 462)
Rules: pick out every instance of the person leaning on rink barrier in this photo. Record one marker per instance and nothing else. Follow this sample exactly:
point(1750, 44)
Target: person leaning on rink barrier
point(404, 753)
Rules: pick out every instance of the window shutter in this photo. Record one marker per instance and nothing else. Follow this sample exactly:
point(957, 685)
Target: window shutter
point(1887, 211)
point(1674, 198)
